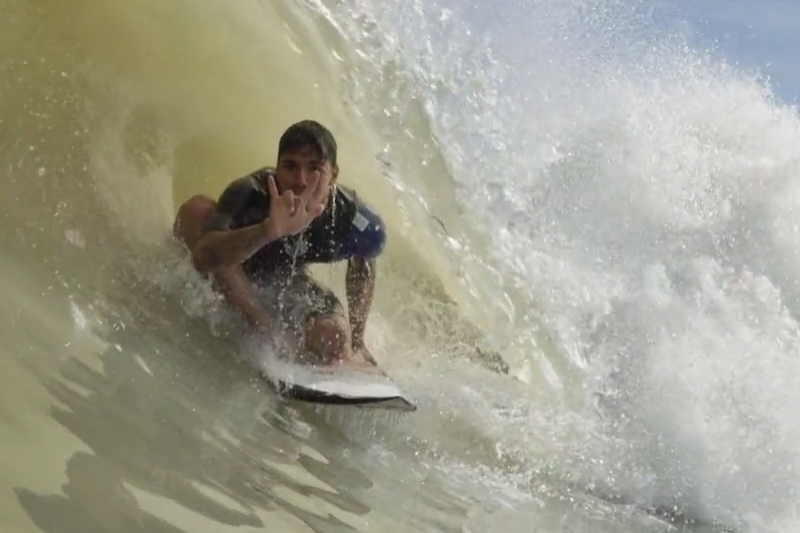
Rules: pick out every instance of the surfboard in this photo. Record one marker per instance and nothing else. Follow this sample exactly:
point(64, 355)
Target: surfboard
point(355, 385)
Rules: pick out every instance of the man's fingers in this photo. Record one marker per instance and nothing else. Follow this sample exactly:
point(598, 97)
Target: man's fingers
point(317, 189)
point(298, 210)
point(273, 190)
point(308, 192)
point(314, 210)
point(321, 190)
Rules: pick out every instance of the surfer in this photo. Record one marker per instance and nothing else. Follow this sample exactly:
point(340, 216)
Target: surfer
point(268, 226)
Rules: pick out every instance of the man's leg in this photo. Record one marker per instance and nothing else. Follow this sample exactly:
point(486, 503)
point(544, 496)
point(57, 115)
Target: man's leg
point(328, 338)
point(316, 311)
point(320, 321)
point(190, 218)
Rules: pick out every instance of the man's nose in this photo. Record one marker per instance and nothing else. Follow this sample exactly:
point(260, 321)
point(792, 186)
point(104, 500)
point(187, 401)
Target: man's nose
point(299, 177)
point(305, 176)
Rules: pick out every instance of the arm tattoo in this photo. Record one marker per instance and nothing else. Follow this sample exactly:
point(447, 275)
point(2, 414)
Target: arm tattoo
point(252, 241)
point(212, 260)
point(221, 248)
point(360, 285)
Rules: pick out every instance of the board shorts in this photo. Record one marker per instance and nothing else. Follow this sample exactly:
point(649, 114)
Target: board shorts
point(295, 300)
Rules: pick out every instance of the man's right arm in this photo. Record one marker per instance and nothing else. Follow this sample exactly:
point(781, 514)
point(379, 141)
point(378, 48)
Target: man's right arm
point(238, 292)
point(220, 252)
point(219, 247)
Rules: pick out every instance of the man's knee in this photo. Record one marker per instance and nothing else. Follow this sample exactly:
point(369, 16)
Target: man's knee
point(328, 337)
point(190, 218)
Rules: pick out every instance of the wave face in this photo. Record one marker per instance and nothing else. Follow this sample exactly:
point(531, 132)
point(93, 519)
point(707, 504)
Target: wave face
point(574, 195)
point(639, 204)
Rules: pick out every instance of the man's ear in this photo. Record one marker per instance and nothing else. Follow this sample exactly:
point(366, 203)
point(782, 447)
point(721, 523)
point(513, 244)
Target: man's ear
point(334, 173)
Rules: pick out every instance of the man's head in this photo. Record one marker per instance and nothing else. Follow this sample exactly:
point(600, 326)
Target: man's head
point(304, 149)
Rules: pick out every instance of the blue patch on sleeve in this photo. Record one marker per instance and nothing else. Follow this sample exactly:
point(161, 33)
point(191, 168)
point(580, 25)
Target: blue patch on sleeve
point(366, 237)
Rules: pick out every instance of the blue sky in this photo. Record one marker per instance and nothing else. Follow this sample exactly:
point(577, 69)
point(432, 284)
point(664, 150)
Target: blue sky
point(756, 35)
point(761, 35)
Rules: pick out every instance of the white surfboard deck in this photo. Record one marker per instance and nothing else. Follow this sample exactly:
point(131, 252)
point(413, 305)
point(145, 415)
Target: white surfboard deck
point(355, 385)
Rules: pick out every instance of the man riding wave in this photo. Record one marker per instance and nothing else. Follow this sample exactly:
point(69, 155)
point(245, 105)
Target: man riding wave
point(268, 226)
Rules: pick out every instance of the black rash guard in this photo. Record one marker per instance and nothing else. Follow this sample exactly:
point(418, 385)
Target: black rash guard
point(347, 228)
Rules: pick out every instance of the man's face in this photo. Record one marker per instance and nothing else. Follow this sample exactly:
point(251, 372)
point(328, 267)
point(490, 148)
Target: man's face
point(298, 168)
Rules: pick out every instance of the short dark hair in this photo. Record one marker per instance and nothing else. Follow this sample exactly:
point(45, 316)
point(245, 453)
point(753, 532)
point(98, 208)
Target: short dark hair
point(308, 133)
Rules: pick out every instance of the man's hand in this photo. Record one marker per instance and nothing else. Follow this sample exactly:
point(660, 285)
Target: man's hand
point(221, 248)
point(290, 214)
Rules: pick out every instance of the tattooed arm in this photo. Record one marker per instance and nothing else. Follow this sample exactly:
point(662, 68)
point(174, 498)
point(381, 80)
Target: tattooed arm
point(221, 251)
point(360, 285)
point(221, 248)
point(288, 214)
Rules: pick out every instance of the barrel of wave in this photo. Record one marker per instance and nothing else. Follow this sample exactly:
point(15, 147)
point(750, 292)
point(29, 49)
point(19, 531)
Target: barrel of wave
point(418, 298)
point(225, 111)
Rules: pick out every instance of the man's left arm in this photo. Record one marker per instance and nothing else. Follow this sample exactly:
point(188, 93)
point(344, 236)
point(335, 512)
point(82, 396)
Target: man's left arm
point(362, 246)
point(360, 286)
